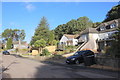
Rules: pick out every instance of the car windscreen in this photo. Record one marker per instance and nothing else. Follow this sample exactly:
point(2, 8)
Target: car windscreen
point(78, 53)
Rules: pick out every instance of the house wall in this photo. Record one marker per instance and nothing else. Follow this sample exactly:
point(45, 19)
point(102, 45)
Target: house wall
point(75, 42)
point(21, 46)
point(105, 35)
point(91, 44)
point(83, 38)
point(64, 40)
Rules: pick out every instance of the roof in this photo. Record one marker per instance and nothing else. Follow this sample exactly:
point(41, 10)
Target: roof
point(71, 36)
point(109, 22)
point(17, 42)
point(89, 30)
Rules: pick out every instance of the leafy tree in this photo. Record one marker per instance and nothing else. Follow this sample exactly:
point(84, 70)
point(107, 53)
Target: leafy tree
point(114, 50)
point(96, 24)
point(15, 34)
point(45, 52)
point(41, 32)
point(9, 43)
point(114, 13)
point(51, 38)
point(73, 27)
point(7, 34)
point(55, 42)
point(40, 44)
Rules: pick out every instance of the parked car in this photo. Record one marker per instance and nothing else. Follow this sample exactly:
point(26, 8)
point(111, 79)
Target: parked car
point(6, 53)
point(79, 56)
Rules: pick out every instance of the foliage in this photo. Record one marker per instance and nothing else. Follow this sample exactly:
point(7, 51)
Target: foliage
point(45, 52)
point(114, 50)
point(114, 13)
point(96, 24)
point(74, 27)
point(55, 42)
point(51, 38)
point(7, 34)
point(40, 43)
point(41, 32)
point(15, 34)
point(9, 43)
point(44, 23)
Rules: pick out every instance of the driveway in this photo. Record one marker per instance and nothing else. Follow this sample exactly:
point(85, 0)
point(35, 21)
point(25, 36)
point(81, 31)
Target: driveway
point(17, 67)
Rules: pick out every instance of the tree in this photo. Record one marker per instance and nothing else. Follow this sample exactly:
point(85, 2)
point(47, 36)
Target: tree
point(73, 27)
point(40, 44)
point(114, 13)
point(51, 38)
point(41, 32)
point(7, 34)
point(44, 23)
point(18, 34)
point(114, 50)
point(15, 34)
point(96, 24)
point(55, 42)
point(9, 43)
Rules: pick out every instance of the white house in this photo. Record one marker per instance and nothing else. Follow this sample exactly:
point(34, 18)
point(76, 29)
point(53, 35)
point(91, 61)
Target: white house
point(98, 38)
point(23, 45)
point(69, 40)
point(105, 31)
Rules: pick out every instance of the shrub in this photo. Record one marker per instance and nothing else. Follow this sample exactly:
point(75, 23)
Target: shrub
point(71, 50)
point(45, 52)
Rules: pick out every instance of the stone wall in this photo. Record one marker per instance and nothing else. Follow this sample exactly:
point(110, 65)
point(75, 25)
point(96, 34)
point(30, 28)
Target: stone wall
point(111, 62)
point(51, 48)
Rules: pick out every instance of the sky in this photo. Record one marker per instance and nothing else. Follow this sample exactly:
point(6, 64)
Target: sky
point(27, 15)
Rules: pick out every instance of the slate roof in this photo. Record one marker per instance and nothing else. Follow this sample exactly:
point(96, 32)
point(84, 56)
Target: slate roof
point(71, 36)
point(89, 30)
point(109, 22)
point(117, 21)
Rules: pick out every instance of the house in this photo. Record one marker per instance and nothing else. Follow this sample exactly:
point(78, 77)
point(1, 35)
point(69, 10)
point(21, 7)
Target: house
point(98, 38)
point(106, 30)
point(22, 45)
point(0, 45)
point(68, 39)
point(87, 39)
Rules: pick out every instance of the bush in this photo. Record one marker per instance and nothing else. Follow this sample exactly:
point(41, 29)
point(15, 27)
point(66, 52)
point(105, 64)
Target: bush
point(45, 52)
point(71, 50)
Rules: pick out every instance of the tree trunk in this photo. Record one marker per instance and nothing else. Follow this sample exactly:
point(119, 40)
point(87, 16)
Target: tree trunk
point(39, 51)
point(19, 43)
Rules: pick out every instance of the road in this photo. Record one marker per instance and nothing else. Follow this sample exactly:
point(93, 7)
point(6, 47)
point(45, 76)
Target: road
point(17, 67)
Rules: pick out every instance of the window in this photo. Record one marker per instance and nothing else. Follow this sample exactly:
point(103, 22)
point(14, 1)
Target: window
point(102, 28)
point(108, 27)
point(112, 25)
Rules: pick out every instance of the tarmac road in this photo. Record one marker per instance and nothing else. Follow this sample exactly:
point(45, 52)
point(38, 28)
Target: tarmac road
point(17, 67)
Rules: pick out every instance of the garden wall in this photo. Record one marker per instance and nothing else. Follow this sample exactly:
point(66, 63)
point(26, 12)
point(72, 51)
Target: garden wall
point(51, 48)
point(111, 62)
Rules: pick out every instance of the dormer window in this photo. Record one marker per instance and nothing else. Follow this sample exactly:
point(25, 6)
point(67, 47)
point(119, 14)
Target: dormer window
point(108, 27)
point(112, 25)
point(102, 28)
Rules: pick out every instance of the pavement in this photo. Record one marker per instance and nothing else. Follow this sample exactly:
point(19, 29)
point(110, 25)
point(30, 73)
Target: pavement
point(18, 67)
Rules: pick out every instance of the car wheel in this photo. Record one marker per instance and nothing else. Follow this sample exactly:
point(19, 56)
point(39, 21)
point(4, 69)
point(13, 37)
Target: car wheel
point(76, 62)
